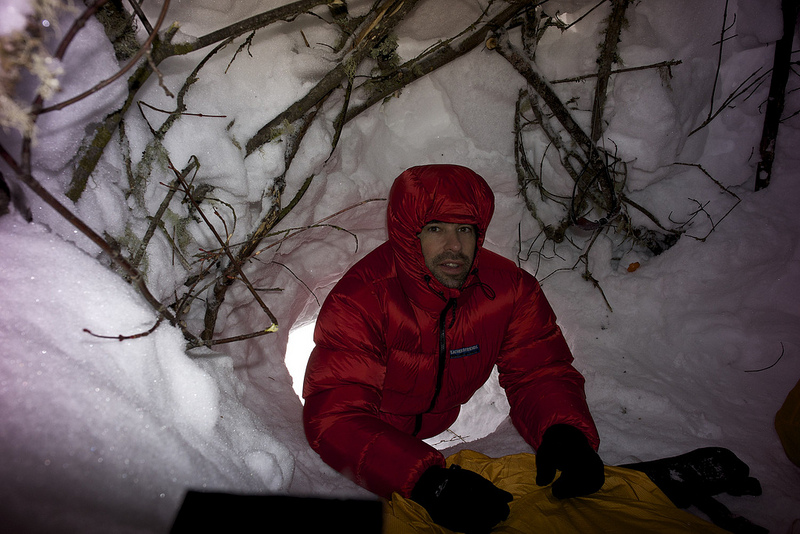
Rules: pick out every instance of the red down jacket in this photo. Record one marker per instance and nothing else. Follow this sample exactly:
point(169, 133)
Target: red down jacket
point(397, 353)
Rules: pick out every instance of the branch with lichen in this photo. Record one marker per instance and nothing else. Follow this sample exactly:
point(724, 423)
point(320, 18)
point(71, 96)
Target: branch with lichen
point(163, 48)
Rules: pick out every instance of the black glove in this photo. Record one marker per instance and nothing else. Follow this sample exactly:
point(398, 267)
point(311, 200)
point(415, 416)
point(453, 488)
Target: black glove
point(461, 500)
point(566, 448)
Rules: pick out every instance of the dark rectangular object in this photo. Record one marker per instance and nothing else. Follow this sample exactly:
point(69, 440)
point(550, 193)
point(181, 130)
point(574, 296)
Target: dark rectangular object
point(240, 514)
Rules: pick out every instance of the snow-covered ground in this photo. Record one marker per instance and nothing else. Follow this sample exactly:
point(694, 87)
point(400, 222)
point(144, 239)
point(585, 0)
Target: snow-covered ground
point(100, 435)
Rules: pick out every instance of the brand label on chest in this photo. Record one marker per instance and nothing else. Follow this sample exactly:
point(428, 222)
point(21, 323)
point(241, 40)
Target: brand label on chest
point(464, 351)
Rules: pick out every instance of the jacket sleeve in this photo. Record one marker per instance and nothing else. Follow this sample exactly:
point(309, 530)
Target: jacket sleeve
point(535, 366)
point(342, 392)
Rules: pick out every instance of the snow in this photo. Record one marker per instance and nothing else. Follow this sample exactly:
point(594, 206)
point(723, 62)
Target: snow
point(96, 419)
point(14, 17)
point(103, 435)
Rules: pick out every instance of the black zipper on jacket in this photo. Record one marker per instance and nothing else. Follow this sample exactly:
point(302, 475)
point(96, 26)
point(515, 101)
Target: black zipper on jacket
point(442, 361)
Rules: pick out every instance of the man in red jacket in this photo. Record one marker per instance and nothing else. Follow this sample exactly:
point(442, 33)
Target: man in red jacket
point(414, 329)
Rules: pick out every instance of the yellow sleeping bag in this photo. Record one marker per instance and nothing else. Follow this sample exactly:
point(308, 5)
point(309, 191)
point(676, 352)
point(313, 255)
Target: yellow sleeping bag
point(787, 424)
point(629, 502)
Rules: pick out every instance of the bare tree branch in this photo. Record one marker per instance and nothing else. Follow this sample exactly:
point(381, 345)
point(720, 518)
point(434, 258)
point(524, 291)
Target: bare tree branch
point(608, 56)
point(437, 57)
point(659, 65)
point(95, 143)
point(777, 93)
point(383, 20)
point(38, 110)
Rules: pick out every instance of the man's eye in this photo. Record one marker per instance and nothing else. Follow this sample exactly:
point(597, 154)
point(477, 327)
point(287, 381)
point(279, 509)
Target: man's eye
point(465, 229)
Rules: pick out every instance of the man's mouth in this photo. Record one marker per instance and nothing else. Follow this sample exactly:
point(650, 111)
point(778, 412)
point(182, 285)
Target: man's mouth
point(452, 265)
point(451, 269)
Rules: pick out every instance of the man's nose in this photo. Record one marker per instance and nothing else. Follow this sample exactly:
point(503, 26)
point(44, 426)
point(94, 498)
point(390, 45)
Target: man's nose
point(452, 241)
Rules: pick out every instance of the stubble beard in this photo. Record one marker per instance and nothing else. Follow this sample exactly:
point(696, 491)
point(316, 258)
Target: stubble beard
point(451, 281)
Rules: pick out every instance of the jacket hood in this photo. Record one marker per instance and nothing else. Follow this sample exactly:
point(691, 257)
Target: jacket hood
point(445, 193)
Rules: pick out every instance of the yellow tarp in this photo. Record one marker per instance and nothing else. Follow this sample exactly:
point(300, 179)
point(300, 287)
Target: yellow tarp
point(628, 503)
point(787, 424)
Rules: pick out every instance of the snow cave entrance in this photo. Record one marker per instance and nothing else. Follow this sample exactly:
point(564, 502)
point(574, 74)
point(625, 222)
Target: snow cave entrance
point(298, 350)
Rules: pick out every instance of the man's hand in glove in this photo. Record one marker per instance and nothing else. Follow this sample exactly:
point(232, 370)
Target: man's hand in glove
point(461, 500)
point(566, 448)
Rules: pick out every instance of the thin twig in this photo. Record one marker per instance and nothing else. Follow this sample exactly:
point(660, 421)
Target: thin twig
point(160, 76)
point(723, 188)
point(719, 59)
point(783, 350)
point(139, 13)
point(76, 26)
point(246, 44)
point(662, 64)
point(587, 275)
point(298, 279)
point(576, 21)
point(181, 113)
point(736, 93)
point(286, 12)
point(338, 123)
point(122, 337)
point(318, 224)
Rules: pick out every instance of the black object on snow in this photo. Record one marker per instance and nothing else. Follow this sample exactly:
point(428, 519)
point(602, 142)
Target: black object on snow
point(694, 478)
point(224, 512)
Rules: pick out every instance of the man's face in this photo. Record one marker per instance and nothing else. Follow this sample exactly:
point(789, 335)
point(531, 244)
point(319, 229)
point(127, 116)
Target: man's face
point(448, 249)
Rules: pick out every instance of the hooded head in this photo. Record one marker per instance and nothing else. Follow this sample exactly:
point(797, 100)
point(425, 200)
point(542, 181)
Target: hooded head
point(428, 193)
